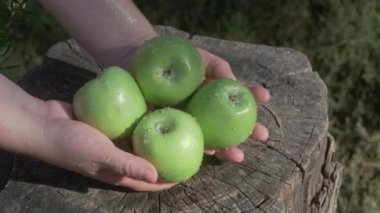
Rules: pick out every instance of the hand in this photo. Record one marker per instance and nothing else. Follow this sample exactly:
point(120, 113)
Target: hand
point(217, 68)
point(81, 148)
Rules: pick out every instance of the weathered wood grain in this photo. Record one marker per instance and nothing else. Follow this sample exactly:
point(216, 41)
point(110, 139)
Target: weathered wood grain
point(295, 171)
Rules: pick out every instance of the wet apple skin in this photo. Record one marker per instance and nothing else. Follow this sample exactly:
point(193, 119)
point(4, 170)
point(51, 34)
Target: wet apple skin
point(168, 69)
point(224, 122)
point(112, 103)
point(172, 141)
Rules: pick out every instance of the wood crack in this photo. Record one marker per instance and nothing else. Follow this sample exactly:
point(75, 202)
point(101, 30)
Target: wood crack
point(11, 198)
point(96, 208)
point(240, 191)
point(320, 197)
point(271, 176)
point(144, 205)
point(201, 193)
point(263, 67)
point(300, 167)
point(123, 205)
point(309, 139)
point(74, 51)
point(125, 194)
point(241, 165)
point(145, 201)
point(61, 194)
point(262, 202)
point(273, 114)
point(195, 203)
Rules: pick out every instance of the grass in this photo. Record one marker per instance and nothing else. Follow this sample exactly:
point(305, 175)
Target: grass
point(26, 32)
point(341, 39)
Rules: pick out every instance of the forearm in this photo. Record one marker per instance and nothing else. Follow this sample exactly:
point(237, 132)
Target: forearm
point(22, 119)
point(110, 30)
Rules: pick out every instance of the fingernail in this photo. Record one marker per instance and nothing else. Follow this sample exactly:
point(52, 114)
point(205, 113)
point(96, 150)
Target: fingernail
point(269, 95)
point(239, 158)
point(209, 151)
point(148, 175)
point(264, 134)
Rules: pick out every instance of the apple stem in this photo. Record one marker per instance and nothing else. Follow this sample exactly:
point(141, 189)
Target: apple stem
point(234, 98)
point(163, 128)
point(168, 73)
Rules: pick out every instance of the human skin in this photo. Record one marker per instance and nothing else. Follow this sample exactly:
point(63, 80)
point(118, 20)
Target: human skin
point(49, 132)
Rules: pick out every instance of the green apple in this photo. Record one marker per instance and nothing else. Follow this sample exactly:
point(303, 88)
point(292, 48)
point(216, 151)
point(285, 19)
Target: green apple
point(112, 103)
point(226, 112)
point(168, 69)
point(172, 141)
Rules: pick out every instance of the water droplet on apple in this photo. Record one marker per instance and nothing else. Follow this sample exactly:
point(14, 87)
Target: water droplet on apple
point(145, 128)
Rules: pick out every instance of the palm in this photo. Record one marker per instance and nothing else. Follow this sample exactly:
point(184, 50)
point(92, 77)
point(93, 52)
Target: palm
point(81, 148)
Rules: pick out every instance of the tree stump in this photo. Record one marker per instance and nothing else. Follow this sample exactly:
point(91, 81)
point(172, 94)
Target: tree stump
point(295, 171)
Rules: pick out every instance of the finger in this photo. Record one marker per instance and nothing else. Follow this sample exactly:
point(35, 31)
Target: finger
point(209, 151)
point(216, 67)
point(207, 81)
point(260, 133)
point(261, 94)
point(59, 109)
point(116, 179)
point(129, 165)
point(233, 154)
point(139, 185)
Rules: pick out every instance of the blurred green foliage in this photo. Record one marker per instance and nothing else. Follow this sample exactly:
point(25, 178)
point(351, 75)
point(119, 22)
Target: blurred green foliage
point(26, 32)
point(340, 37)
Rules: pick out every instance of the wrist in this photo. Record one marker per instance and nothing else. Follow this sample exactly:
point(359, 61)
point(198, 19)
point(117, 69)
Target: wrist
point(123, 57)
point(23, 119)
point(120, 27)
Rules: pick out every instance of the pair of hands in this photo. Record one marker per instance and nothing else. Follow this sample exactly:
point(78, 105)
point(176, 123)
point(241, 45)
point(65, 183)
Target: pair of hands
point(79, 147)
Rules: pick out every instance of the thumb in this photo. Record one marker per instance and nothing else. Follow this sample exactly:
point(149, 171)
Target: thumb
point(127, 164)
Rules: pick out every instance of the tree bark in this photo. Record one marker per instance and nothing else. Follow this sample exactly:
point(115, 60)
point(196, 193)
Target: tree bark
point(295, 171)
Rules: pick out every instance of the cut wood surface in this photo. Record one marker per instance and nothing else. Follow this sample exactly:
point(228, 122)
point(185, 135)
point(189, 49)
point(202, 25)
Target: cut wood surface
point(295, 171)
